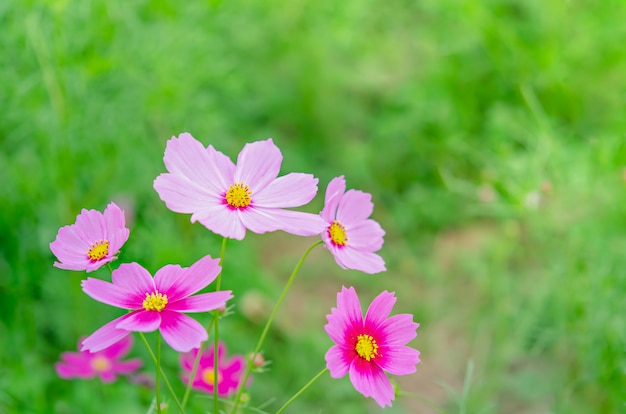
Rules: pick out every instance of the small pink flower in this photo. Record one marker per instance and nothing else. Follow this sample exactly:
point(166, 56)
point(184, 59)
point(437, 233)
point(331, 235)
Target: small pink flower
point(156, 303)
point(350, 235)
point(106, 364)
point(227, 198)
point(92, 241)
point(229, 371)
point(366, 348)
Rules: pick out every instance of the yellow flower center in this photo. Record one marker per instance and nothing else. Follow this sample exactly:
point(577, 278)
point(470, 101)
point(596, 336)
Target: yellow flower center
point(337, 233)
point(366, 347)
point(98, 250)
point(155, 301)
point(238, 195)
point(100, 363)
point(208, 376)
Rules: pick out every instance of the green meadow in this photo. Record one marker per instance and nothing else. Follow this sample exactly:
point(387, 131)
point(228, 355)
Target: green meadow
point(491, 135)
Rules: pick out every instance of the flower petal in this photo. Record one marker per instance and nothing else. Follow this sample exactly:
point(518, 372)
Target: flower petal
point(367, 236)
point(187, 359)
point(379, 310)
point(104, 337)
point(399, 360)
point(354, 207)
point(338, 361)
point(185, 156)
point(110, 294)
point(366, 262)
point(181, 332)
point(141, 321)
point(291, 190)
point(126, 367)
point(74, 365)
point(260, 220)
point(135, 280)
point(346, 317)
point(117, 233)
point(371, 381)
point(221, 220)
point(398, 330)
point(201, 303)
point(183, 196)
point(178, 283)
point(258, 164)
point(91, 224)
point(335, 189)
point(119, 349)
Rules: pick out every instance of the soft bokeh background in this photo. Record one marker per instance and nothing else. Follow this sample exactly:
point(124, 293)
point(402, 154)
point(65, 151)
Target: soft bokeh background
point(491, 135)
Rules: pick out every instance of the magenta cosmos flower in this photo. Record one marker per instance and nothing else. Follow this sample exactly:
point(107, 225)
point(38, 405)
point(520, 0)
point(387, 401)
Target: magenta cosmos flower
point(156, 303)
point(227, 198)
point(92, 241)
point(106, 364)
point(366, 348)
point(229, 371)
point(350, 235)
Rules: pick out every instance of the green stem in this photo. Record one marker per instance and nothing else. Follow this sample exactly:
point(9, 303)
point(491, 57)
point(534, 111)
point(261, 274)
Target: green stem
point(158, 374)
point(194, 369)
point(303, 389)
point(216, 337)
point(165, 380)
point(269, 323)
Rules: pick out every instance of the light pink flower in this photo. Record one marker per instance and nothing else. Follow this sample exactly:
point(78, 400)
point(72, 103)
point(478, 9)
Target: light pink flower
point(106, 364)
point(92, 241)
point(227, 198)
point(229, 371)
point(350, 235)
point(156, 303)
point(366, 348)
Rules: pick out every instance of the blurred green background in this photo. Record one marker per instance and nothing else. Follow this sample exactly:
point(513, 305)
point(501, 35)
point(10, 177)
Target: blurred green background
point(491, 135)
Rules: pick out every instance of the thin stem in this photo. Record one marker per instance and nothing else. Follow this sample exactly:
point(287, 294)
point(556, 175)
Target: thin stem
point(302, 390)
point(158, 374)
point(269, 323)
point(219, 276)
point(216, 337)
point(110, 268)
point(165, 380)
point(194, 369)
point(215, 360)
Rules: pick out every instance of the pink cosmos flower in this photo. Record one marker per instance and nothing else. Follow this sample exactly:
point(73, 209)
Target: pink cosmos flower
point(366, 348)
point(92, 241)
point(227, 198)
point(350, 236)
point(229, 371)
point(156, 303)
point(106, 364)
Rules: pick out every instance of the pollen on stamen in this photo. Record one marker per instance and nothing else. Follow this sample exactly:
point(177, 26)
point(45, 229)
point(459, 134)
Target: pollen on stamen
point(366, 347)
point(337, 233)
point(238, 196)
point(98, 250)
point(155, 301)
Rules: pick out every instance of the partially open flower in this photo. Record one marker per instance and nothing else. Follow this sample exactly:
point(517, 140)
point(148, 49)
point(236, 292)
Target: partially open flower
point(92, 241)
point(350, 235)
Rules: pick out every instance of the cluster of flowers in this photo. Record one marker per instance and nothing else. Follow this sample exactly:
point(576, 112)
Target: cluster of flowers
point(228, 199)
